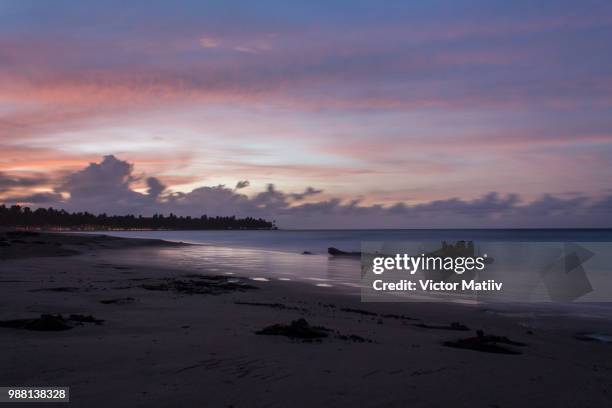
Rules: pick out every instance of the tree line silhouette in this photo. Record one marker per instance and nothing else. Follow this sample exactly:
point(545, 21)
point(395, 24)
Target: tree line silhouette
point(49, 218)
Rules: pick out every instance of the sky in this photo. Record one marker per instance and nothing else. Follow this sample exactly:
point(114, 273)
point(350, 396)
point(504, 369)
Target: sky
point(347, 114)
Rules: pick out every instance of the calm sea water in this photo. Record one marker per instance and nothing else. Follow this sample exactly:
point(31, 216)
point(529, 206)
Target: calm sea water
point(317, 241)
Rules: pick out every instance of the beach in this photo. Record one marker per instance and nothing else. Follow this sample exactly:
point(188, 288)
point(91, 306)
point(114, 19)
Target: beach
point(137, 335)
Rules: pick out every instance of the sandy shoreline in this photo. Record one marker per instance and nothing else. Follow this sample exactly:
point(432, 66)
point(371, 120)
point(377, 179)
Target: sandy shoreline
point(170, 338)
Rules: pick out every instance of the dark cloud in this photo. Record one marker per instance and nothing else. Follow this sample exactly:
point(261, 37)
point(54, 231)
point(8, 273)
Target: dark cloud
point(8, 182)
point(491, 203)
point(242, 184)
point(107, 187)
point(308, 192)
point(155, 187)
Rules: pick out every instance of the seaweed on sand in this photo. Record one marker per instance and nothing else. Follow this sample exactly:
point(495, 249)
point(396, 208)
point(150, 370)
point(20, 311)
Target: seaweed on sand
point(373, 314)
point(353, 337)
point(302, 330)
point(46, 322)
point(297, 329)
point(358, 311)
point(58, 289)
point(79, 318)
point(278, 306)
point(118, 301)
point(49, 322)
point(204, 285)
point(486, 344)
point(453, 326)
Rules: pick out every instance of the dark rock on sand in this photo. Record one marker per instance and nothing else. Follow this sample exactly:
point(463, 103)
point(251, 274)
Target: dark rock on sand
point(486, 344)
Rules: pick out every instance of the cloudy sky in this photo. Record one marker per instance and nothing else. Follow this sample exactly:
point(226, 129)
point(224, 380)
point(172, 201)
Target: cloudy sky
point(437, 113)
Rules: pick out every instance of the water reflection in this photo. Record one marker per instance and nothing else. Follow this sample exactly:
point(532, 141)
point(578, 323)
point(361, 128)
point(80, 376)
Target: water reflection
point(259, 265)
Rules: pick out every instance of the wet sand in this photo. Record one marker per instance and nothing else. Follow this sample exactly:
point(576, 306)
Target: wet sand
point(165, 336)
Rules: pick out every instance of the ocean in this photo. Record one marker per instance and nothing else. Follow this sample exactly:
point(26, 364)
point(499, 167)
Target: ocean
point(317, 241)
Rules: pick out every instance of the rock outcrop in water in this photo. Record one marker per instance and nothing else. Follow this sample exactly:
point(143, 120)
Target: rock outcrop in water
point(337, 252)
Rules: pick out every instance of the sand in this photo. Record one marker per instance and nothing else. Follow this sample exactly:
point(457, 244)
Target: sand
point(171, 338)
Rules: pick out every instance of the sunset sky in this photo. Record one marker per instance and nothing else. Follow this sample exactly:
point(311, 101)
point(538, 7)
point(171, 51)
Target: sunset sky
point(375, 106)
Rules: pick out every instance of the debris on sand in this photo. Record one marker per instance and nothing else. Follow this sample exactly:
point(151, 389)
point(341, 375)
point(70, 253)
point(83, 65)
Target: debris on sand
point(200, 285)
point(49, 322)
point(486, 344)
point(453, 326)
point(118, 301)
point(297, 329)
